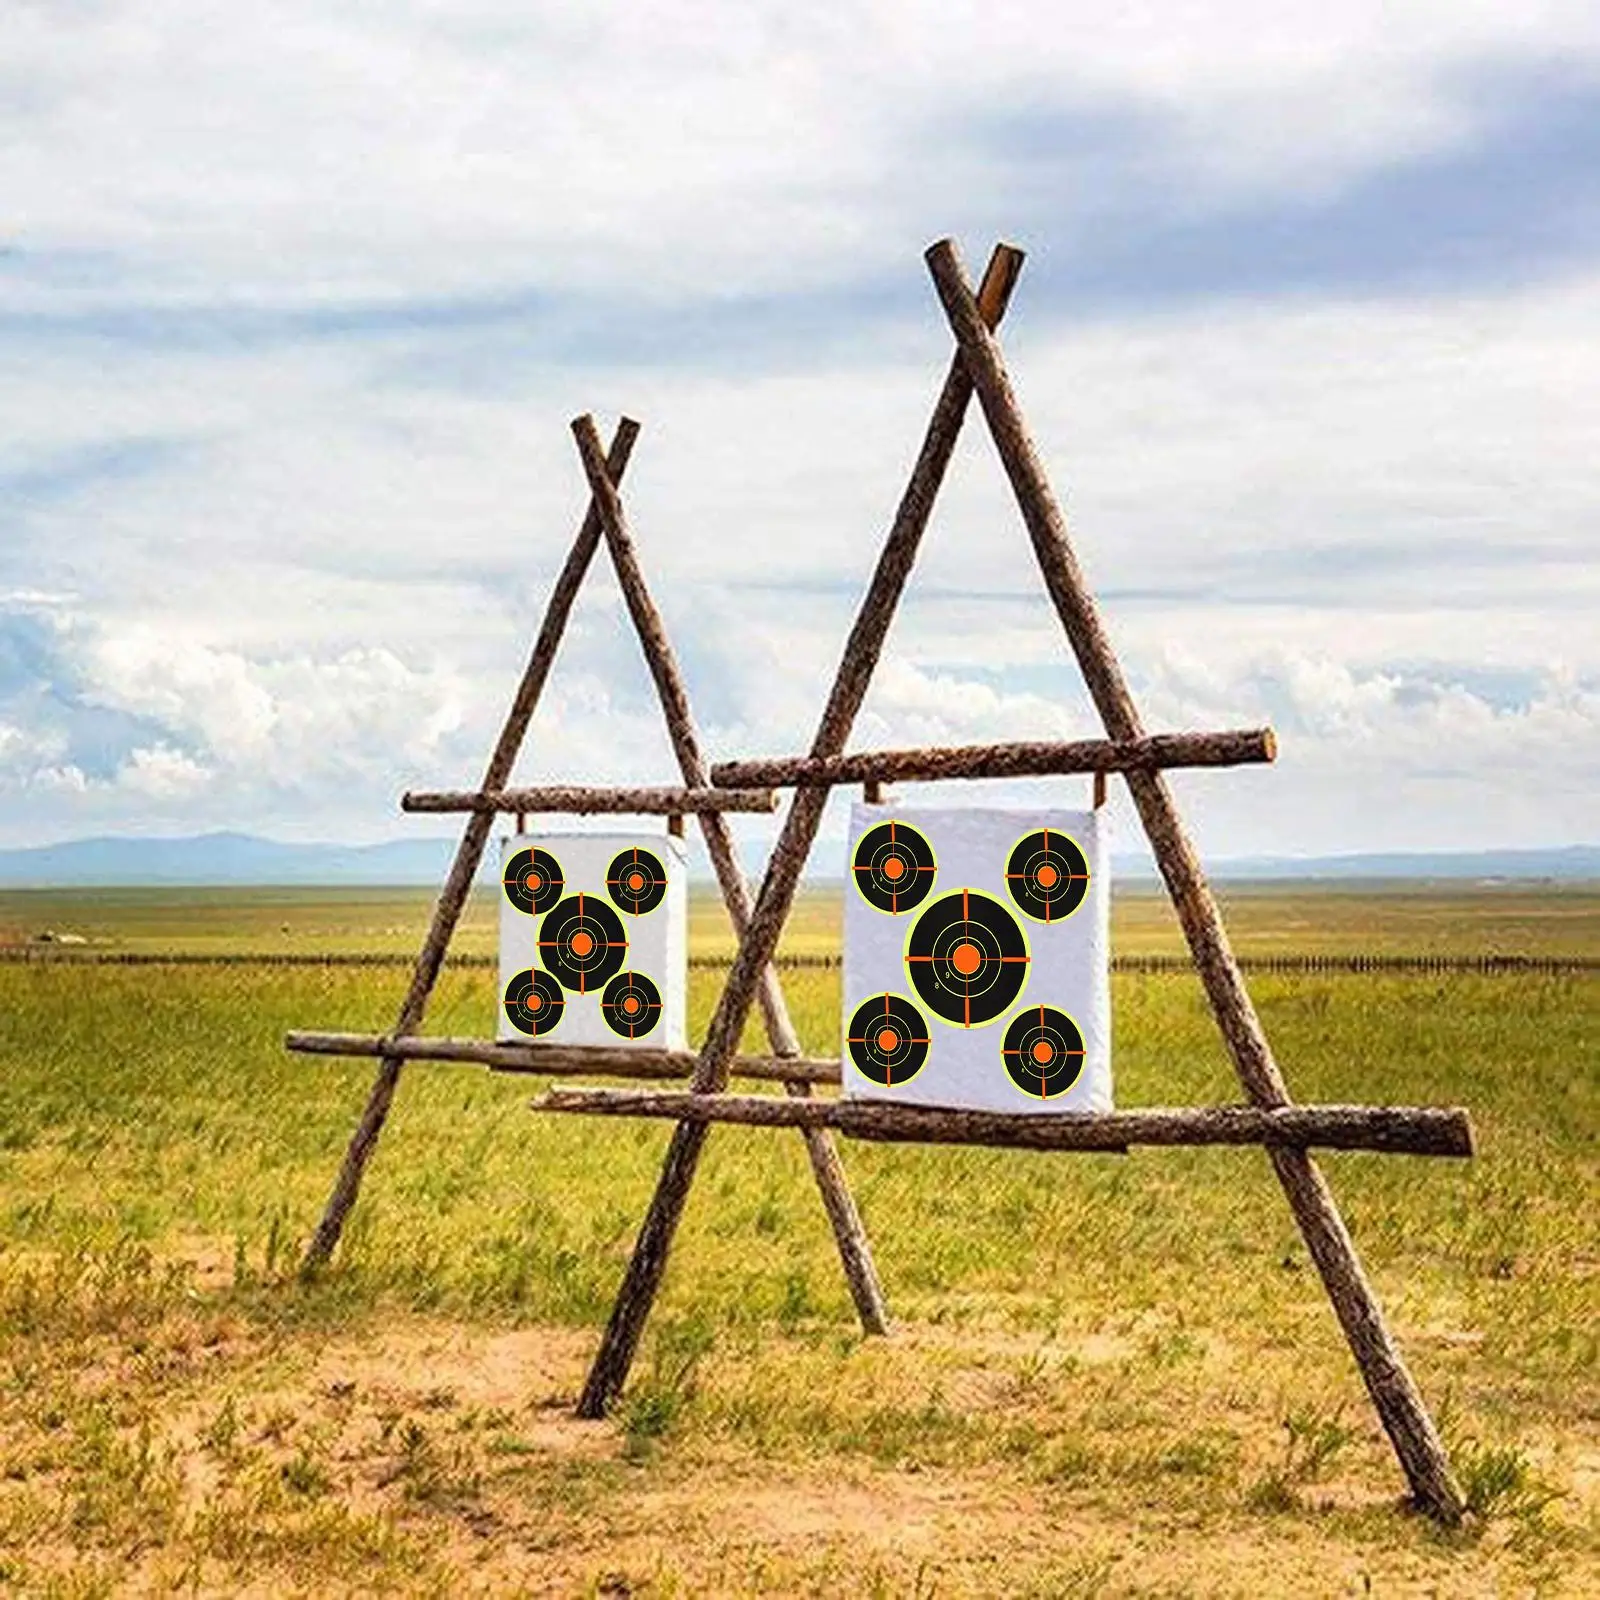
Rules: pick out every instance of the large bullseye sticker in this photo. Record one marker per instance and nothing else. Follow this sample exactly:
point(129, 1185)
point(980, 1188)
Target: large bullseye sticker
point(888, 1039)
point(1043, 1052)
point(893, 867)
point(631, 1005)
point(636, 882)
point(1048, 875)
point(533, 881)
point(534, 1002)
point(968, 958)
point(582, 942)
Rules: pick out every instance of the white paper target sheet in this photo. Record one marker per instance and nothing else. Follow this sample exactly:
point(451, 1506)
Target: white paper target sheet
point(977, 958)
point(593, 939)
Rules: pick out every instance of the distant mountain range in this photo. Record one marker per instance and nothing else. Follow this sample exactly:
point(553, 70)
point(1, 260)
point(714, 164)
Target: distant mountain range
point(238, 858)
point(223, 858)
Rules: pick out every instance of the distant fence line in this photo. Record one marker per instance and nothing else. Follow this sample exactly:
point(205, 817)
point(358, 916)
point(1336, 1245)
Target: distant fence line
point(1423, 965)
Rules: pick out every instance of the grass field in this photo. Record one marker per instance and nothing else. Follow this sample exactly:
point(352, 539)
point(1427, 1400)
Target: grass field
point(1111, 1375)
point(1263, 919)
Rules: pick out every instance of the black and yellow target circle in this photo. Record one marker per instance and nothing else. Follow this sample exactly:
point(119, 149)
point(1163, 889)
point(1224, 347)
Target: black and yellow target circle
point(583, 942)
point(893, 867)
point(1043, 1052)
point(968, 958)
point(534, 1002)
point(636, 882)
point(888, 1040)
point(533, 881)
point(631, 1005)
point(1048, 875)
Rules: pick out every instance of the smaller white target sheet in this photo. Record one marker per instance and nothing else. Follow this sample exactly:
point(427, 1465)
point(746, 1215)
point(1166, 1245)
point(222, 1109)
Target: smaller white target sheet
point(593, 939)
point(977, 958)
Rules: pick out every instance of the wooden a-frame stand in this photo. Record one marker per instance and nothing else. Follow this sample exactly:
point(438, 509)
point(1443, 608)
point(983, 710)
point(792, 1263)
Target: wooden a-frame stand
point(492, 799)
point(1270, 1118)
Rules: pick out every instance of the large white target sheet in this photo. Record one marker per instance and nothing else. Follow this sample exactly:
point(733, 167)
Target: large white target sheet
point(977, 958)
point(593, 939)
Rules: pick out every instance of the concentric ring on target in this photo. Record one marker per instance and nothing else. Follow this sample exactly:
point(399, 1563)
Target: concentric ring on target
point(636, 882)
point(1048, 875)
point(583, 942)
point(534, 1002)
point(888, 1040)
point(631, 1005)
point(968, 958)
point(1043, 1052)
point(893, 867)
point(532, 880)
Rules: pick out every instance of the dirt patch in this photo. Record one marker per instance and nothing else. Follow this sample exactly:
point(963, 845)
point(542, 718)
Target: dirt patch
point(434, 1365)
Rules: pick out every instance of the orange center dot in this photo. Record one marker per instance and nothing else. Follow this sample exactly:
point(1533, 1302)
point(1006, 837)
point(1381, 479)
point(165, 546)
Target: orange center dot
point(636, 880)
point(582, 944)
point(966, 959)
point(1043, 1051)
point(535, 1001)
point(888, 1040)
point(630, 1005)
point(535, 883)
point(1047, 876)
point(894, 868)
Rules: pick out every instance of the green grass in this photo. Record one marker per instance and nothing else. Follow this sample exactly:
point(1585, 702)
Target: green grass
point(1098, 1355)
point(1263, 919)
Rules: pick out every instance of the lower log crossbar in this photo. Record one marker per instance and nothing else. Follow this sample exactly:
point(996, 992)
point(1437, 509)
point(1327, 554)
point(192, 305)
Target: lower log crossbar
point(556, 1060)
point(1398, 1130)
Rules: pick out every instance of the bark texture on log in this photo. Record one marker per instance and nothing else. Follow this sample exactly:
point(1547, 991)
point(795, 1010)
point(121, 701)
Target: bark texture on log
point(585, 801)
point(643, 1277)
point(469, 853)
point(1398, 1401)
point(1395, 1130)
point(850, 1234)
point(558, 1060)
point(1230, 748)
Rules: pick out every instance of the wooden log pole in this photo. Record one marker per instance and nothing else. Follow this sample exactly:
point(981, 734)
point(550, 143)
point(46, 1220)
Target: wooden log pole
point(850, 1234)
point(1394, 1130)
point(642, 1279)
point(1399, 1403)
point(557, 1060)
point(587, 801)
point(1231, 748)
point(469, 853)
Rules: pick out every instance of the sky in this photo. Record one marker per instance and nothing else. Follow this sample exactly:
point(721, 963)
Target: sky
point(297, 303)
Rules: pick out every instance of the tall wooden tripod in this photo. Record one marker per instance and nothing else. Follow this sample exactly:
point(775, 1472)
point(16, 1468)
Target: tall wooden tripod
point(493, 797)
point(978, 366)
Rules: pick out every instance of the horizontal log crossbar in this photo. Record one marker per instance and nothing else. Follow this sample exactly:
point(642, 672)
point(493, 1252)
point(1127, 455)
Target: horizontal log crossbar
point(1405, 1130)
point(1016, 759)
point(557, 1060)
point(584, 801)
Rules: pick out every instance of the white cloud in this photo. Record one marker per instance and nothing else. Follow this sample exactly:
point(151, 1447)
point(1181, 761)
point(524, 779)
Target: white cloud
point(159, 773)
point(282, 573)
point(298, 150)
point(289, 723)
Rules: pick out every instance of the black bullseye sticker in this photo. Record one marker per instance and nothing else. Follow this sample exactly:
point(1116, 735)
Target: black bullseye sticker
point(636, 882)
point(534, 1002)
point(893, 867)
point(968, 958)
point(1048, 875)
point(533, 881)
point(1043, 1052)
point(631, 1005)
point(888, 1040)
point(583, 942)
